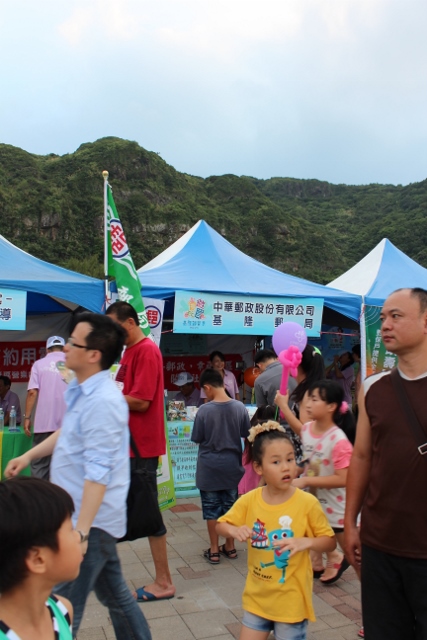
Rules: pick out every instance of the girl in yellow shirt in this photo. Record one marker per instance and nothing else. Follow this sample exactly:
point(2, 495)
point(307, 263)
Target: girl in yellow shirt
point(281, 525)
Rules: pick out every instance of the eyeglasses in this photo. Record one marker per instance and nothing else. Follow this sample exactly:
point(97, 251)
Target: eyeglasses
point(71, 343)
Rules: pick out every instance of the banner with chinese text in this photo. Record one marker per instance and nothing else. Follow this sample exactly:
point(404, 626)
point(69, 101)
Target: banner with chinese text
point(197, 312)
point(377, 357)
point(165, 481)
point(174, 365)
point(17, 358)
point(121, 266)
point(13, 309)
point(183, 454)
point(334, 341)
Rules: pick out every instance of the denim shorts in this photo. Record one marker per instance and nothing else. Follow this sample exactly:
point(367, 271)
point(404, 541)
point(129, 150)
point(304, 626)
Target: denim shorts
point(282, 630)
point(216, 503)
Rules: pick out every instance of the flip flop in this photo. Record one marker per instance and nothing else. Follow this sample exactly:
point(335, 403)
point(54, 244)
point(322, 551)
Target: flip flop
point(231, 555)
point(213, 558)
point(341, 568)
point(146, 596)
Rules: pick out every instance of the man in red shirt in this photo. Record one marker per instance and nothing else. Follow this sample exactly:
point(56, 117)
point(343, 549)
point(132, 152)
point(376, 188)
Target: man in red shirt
point(140, 377)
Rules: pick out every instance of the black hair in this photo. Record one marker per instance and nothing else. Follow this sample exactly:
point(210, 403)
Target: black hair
point(264, 438)
point(332, 392)
point(6, 380)
point(357, 350)
point(123, 311)
point(211, 377)
point(33, 510)
point(220, 355)
point(263, 355)
point(106, 336)
point(313, 366)
point(421, 294)
point(264, 413)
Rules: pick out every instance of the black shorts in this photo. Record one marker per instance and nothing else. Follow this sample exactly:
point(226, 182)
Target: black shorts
point(149, 465)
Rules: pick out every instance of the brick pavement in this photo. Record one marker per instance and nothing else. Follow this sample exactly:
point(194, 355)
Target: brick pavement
point(208, 598)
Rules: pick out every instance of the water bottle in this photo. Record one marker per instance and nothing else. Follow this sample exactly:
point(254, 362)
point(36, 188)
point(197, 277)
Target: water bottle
point(1, 420)
point(12, 419)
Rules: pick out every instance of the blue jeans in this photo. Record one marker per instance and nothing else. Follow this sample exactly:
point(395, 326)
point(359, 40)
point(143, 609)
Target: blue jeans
point(101, 571)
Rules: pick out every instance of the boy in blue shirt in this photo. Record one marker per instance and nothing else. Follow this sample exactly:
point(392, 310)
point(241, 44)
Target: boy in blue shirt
point(219, 426)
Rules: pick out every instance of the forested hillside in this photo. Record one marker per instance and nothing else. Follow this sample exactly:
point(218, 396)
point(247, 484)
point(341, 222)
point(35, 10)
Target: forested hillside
point(52, 207)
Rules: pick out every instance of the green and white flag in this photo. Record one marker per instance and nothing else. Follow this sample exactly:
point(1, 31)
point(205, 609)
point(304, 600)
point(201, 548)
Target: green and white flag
point(120, 263)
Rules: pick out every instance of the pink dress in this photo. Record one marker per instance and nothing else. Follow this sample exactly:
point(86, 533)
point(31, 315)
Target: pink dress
point(250, 480)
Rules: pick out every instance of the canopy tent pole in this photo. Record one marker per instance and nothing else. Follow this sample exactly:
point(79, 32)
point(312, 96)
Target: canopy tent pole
point(106, 284)
point(363, 340)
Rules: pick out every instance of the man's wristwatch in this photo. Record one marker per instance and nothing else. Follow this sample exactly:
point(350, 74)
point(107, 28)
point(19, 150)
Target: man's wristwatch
point(84, 537)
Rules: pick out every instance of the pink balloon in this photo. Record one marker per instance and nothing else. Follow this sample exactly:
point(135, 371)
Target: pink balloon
point(287, 334)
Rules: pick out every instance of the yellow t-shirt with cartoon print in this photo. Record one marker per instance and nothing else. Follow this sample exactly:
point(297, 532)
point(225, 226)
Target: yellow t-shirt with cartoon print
point(279, 588)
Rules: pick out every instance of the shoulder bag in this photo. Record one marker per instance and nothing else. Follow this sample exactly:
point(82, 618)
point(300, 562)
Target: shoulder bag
point(143, 514)
point(416, 428)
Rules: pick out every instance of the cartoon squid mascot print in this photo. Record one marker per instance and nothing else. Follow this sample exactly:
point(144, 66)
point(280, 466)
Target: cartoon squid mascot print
point(261, 539)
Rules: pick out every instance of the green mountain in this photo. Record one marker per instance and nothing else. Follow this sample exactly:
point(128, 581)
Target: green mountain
point(52, 207)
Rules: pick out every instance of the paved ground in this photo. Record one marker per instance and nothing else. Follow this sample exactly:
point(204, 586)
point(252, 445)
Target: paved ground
point(208, 599)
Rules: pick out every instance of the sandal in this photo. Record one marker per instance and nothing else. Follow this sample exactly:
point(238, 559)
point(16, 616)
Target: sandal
point(361, 633)
point(213, 558)
point(317, 573)
point(340, 570)
point(231, 555)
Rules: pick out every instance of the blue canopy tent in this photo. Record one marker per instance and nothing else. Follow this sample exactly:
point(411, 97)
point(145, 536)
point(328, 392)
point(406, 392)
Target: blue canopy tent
point(53, 293)
point(202, 260)
point(49, 288)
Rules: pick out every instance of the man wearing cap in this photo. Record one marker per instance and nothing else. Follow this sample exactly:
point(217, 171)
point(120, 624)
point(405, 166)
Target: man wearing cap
point(188, 392)
point(47, 386)
point(9, 399)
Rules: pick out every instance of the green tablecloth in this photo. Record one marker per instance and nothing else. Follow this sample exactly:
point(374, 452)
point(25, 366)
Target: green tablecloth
point(12, 445)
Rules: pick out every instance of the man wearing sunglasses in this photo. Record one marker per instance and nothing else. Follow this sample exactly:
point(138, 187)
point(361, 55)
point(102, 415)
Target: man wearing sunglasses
point(90, 460)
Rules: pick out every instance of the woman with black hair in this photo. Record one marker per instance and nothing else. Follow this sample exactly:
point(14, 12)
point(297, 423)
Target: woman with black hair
point(310, 370)
point(342, 371)
point(217, 360)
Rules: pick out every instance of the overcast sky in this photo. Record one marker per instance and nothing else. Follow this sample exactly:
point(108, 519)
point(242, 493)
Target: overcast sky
point(328, 89)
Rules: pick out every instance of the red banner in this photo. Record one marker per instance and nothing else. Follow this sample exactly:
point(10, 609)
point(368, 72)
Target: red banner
point(17, 358)
point(174, 365)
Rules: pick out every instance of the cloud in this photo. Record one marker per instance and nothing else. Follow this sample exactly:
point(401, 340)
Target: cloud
point(309, 88)
point(113, 19)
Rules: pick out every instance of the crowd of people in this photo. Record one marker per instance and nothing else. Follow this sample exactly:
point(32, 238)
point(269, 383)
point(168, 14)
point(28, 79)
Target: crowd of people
point(294, 493)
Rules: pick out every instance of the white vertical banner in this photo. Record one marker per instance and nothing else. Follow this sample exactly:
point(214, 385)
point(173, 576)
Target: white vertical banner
point(154, 310)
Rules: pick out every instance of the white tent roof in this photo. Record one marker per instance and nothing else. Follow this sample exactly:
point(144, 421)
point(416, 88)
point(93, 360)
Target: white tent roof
point(380, 272)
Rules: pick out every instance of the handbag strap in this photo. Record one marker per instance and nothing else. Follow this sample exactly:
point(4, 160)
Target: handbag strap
point(134, 447)
point(417, 430)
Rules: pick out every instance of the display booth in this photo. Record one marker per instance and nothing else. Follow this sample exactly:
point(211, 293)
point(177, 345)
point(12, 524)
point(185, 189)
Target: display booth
point(45, 296)
point(373, 279)
point(217, 297)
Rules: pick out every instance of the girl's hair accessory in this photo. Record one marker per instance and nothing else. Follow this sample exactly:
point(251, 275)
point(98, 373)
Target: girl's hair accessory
point(344, 407)
point(270, 425)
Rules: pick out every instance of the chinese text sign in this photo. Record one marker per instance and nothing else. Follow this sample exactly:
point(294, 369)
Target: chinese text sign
point(197, 312)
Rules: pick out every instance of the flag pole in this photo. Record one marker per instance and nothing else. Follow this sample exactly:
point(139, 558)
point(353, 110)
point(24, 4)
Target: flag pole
point(107, 288)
